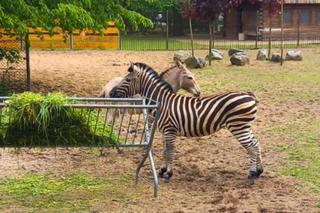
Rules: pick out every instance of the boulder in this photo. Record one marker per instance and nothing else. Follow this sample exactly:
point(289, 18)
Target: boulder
point(239, 59)
point(233, 51)
point(215, 55)
point(276, 57)
point(262, 55)
point(195, 62)
point(181, 56)
point(294, 55)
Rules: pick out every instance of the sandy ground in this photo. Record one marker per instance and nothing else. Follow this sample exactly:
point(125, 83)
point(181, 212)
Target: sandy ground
point(209, 173)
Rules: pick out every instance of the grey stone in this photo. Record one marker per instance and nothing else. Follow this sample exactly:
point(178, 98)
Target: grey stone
point(262, 55)
point(215, 55)
point(181, 56)
point(239, 59)
point(276, 57)
point(294, 55)
point(196, 62)
point(233, 51)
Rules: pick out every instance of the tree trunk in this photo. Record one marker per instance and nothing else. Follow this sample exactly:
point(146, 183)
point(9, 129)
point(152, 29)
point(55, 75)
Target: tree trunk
point(210, 43)
point(281, 33)
point(269, 42)
point(191, 36)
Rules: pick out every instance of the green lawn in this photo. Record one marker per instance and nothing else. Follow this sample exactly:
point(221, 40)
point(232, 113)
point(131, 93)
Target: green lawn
point(294, 90)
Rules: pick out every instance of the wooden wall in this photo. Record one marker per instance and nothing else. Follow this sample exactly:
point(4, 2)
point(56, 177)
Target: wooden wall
point(306, 30)
point(81, 40)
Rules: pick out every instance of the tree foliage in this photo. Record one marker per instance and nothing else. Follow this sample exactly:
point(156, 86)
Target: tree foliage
point(19, 15)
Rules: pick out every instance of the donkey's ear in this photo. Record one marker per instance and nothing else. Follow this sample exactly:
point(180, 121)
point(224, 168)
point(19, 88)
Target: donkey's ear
point(179, 63)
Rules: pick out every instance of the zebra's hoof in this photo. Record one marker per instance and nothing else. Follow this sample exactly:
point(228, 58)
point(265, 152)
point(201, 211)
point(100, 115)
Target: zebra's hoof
point(259, 171)
point(162, 171)
point(167, 175)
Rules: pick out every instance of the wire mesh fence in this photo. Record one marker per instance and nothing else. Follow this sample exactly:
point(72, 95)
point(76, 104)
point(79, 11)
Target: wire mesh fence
point(13, 74)
point(148, 42)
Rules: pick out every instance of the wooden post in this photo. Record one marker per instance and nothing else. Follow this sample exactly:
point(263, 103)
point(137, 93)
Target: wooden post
point(191, 36)
point(27, 45)
point(167, 31)
point(281, 33)
point(298, 30)
point(257, 29)
point(210, 42)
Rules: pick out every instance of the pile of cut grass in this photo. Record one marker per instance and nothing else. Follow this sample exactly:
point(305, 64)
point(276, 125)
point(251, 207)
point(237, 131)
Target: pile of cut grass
point(34, 120)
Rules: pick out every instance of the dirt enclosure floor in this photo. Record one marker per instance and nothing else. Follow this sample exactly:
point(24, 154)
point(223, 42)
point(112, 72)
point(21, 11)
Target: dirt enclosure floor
point(209, 173)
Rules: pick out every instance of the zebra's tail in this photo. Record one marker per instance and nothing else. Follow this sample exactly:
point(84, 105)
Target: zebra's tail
point(253, 96)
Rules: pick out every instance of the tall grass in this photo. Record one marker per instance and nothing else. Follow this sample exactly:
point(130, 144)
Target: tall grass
point(32, 120)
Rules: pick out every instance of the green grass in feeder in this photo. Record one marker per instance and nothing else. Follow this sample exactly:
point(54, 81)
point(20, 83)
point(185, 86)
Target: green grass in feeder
point(31, 120)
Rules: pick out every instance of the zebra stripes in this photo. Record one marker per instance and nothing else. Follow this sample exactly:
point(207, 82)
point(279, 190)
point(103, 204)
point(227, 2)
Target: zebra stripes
point(194, 117)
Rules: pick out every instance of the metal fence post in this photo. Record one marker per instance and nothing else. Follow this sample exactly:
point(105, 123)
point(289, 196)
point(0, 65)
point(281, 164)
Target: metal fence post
point(298, 30)
point(27, 45)
point(167, 31)
point(71, 41)
point(257, 30)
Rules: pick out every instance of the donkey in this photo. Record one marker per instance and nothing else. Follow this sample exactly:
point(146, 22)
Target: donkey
point(178, 76)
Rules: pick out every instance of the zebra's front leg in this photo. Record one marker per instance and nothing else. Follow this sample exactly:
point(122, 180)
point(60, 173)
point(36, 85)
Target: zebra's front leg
point(168, 152)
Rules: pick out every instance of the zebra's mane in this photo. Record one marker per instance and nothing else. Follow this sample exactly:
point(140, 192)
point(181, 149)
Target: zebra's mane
point(153, 74)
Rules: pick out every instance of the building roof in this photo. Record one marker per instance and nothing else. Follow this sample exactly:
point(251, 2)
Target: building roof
point(302, 1)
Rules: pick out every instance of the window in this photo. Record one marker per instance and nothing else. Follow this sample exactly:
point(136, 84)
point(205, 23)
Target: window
point(305, 15)
point(287, 17)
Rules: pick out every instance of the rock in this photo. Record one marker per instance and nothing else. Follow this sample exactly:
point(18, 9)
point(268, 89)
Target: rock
point(233, 51)
point(215, 55)
point(195, 62)
point(294, 55)
point(239, 59)
point(262, 54)
point(276, 57)
point(181, 56)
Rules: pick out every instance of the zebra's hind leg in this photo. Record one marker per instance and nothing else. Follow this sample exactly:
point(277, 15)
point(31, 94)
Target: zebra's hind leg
point(244, 135)
point(168, 152)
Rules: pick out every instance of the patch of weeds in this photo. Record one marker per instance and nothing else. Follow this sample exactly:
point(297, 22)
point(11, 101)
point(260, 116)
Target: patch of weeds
point(33, 120)
point(75, 193)
point(303, 159)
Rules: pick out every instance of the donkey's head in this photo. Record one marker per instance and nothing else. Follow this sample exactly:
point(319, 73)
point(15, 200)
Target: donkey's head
point(187, 80)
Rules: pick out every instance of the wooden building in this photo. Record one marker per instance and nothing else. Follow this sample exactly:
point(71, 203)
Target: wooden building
point(300, 17)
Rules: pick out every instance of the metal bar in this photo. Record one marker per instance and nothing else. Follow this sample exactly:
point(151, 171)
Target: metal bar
point(119, 132)
point(154, 172)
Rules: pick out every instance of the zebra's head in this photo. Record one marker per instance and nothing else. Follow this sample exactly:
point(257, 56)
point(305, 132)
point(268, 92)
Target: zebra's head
point(141, 79)
point(128, 86)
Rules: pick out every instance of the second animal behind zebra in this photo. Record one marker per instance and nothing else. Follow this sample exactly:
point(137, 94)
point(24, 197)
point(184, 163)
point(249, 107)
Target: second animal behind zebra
point(178, 77)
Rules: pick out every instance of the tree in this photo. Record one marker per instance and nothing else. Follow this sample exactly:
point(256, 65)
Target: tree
point(188, 10)
point(17, 16)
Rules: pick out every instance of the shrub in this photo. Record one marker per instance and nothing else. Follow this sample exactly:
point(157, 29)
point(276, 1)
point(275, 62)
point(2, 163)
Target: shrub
point(32, 120)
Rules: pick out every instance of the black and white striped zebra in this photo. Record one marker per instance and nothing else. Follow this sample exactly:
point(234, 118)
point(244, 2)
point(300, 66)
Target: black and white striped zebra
point(193, 117)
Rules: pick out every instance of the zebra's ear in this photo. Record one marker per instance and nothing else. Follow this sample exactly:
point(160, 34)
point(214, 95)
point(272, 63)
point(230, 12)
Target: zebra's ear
point(131, 67)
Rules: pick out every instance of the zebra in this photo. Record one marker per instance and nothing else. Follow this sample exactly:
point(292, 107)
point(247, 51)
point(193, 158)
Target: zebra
point(181, 115)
